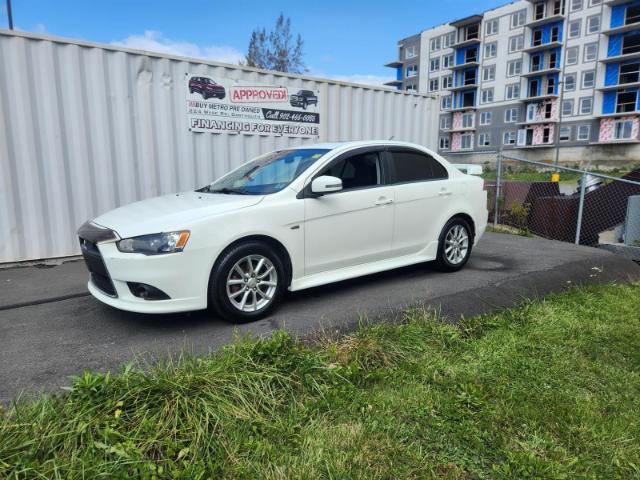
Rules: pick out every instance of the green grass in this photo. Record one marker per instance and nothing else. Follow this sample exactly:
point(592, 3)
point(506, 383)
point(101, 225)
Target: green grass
point(547, 390)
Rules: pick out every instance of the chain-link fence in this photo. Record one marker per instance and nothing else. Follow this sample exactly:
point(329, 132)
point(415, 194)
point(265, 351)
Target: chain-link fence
point(568, 204)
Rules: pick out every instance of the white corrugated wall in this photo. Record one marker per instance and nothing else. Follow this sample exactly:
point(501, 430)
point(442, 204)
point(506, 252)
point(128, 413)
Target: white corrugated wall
point(85, 128)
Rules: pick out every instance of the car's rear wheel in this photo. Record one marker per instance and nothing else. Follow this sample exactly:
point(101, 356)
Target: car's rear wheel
point(455, 243)
point(247, 282)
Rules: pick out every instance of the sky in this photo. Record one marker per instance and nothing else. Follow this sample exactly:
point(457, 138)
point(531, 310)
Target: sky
point(346, 40)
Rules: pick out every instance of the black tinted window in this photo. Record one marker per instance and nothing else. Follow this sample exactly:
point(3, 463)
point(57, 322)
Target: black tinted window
point(415, 166)
point(357, 171)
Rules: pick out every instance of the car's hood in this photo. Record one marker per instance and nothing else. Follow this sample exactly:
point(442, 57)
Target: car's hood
point(171, 212)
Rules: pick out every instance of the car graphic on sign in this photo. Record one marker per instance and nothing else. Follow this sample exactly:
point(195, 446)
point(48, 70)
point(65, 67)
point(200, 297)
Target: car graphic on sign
point(206, 87)
point(303, 99)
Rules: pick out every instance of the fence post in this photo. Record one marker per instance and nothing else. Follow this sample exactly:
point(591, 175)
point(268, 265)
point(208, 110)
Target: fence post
point(583, 184)
point(496, 208)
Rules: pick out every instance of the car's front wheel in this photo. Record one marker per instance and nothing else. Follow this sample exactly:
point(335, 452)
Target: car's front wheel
point(455, 245)
point(247, 282)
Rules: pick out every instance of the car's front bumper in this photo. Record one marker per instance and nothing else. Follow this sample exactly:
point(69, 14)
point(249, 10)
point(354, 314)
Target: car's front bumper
point(182, 276)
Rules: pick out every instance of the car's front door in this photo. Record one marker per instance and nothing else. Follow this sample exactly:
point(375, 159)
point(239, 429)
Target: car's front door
point(355, 225)
point(422, 191)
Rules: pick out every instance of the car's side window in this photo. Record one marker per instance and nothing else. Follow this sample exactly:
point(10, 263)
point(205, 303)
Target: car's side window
point(357, 171)
point(411, 166)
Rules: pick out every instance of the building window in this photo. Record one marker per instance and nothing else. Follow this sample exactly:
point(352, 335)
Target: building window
point(539, 10)
point(511, 115)
point(623, 129)
point(632, 14)
point(626, 101)
point(586, 105)
point(448, 40)
point(516, 43)
point(629, 73)
point(434, 65)
point(509, 138)
point(589, 79)
point(569, 82)
point(514, 68)
point(466, 141)
point(447, 61)
point(445, 102)
point(572, 55)
point(445, 122)
point(574, 28)
point(512, 91)
point(435, 44)
point(447, 81)
point(536, 37)
point(411, 52)
point(631, 43)
point(412, 88)
point(471, 55)
point(565, 134)
point(444, 143)
point(434, 83)
point(584, 131)
point(487, 95)
point(484, 140)
point(491, 26)
point(567, 108)
point(590, 52)
point(576, 5)
point(593, 24)
point(489, 73)
point(593, 3)
point(490, 50)
point(485, 118)
point(518, 18)
point(467, 120)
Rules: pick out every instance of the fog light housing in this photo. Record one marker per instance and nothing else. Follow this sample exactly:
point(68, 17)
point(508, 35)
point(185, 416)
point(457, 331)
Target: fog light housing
point(147, 292)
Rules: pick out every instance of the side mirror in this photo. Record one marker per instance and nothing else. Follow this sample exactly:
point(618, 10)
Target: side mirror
point(326, 184)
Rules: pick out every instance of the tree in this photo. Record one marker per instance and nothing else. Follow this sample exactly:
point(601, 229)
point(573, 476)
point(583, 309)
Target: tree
point(277, 49)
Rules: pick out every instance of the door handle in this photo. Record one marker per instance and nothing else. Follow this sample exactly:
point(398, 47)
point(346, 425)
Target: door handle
point(444, 193)
point(384, 201)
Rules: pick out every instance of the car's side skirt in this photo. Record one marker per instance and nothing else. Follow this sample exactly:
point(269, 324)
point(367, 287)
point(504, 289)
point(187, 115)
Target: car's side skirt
point(426, 255)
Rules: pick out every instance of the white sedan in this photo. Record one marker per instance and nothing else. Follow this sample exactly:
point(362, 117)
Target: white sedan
point(288, 220)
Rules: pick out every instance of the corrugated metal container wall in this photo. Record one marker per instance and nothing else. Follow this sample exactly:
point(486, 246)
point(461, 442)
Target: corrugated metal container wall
point(85, 128)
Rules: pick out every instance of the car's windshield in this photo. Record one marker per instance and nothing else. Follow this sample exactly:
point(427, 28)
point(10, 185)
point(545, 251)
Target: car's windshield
point(269, 173)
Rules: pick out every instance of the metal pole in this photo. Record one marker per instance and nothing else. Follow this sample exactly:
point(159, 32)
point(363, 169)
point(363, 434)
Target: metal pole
point(9, 15)
point(496, 211)
point(583, 184)
point(561, 84)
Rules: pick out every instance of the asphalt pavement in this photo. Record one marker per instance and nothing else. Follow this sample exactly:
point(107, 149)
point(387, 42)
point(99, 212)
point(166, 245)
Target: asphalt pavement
point(51, 329)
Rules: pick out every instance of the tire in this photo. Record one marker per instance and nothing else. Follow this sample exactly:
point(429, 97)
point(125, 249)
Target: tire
point(191, 90)
point(304, 105)
point(204, 94)
point(222, 95)
point(452, 240)
point(257, 295)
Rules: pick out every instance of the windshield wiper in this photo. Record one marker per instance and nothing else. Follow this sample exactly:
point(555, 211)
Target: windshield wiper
point(227, 191)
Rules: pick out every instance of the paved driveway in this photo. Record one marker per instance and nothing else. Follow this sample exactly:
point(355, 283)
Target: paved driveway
point(45, 340)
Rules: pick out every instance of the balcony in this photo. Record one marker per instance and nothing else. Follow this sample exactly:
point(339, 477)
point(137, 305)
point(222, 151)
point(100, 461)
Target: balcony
point(472, 40)
point(613, 3)
point(468, 64)
point(394, 64)
point(618, 86)
point(623, 28)
point(543, 71)
point(543, 46)
point(465, 86)
point(539, 98)
point(393, 83)
point(540, 121)
point(545, 20)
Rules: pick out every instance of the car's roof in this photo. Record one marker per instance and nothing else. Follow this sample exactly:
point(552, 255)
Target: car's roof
point(354, 144)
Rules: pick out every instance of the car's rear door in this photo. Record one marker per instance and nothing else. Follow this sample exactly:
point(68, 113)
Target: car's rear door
point(421, 192)
point(353, 226)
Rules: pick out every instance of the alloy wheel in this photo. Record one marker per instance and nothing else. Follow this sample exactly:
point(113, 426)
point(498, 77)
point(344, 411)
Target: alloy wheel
point(252, 283)
point(456, 244)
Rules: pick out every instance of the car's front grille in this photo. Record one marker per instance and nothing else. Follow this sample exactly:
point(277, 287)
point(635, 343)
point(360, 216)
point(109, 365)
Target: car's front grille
point(99, 273)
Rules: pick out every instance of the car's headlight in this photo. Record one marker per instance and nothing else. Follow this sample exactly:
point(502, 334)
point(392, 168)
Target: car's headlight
point(155, 244)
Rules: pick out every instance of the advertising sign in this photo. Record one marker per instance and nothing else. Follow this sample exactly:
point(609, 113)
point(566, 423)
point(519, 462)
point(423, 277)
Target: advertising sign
point(223, 105)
